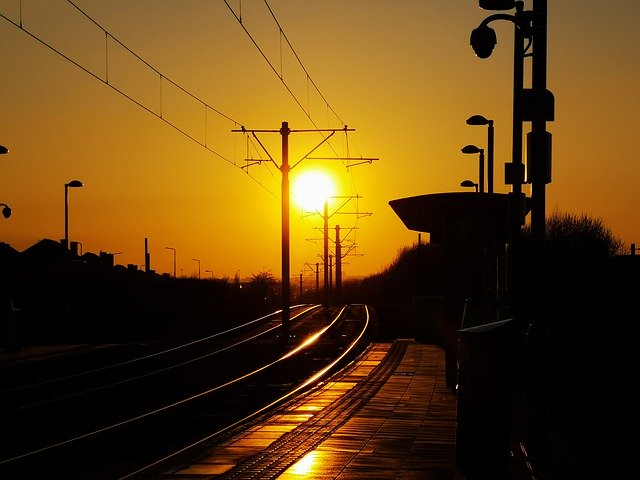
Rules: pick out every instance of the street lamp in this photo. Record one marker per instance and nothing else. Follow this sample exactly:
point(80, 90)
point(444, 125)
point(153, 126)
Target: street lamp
point(472, 149)
point(174, 260)
point(481, 120)
point(72, 184)
point(535, 104)
point(6, 210)
point(197, 260)
point(209, 271)
point(483, 39)
point(469, 183)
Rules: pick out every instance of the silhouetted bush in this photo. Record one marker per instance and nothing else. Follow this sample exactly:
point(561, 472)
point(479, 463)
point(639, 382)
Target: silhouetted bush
point(416, 270)
point(582, 352)
point(580, 282)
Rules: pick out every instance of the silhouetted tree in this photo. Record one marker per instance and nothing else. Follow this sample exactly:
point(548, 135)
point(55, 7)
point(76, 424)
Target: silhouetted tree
point(264, 287)
point(572, 235)
point(579, 250)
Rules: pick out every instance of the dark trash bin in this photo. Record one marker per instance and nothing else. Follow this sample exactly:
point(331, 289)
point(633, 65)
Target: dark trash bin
point(482, 437)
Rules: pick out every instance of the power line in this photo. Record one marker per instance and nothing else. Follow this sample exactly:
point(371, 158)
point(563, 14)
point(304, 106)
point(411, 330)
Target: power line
point(347, 159)
point(161, 77)
point(279, 74)
point(266, 58)
point(284, 35)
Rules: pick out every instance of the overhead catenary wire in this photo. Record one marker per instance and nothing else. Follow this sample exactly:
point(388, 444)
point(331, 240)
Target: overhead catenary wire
point(279, 73)
point(162, 78)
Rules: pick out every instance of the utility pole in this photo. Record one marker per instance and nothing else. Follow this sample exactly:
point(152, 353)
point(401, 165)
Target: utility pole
point(539, 155)
point(286, 287)
point(317, 273)
point(285, 168)
point(340, 254)
point(330, 275)
point(338, 267)
point(326, 256)
point(300, 287)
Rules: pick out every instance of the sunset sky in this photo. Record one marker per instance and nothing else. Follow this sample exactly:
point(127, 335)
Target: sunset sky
point(157, 163)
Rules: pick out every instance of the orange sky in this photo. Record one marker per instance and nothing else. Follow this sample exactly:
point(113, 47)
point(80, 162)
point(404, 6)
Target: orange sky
point(401, 73)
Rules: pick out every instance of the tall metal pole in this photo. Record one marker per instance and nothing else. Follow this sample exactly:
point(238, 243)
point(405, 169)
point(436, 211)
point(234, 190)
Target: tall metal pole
point(330, 276)
point(516, 178)
point(286, 287)
point(66, 216)
point(338, 296)
point(481, 170)
point(325, 253)
point(74, 184)
point(539, 149)
point(490, 158)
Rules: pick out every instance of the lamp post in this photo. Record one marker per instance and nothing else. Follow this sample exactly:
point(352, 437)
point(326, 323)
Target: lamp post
point(469, 183)
point(481, 120)
point(6, 210)
point(472, 149)
point(209, 271)
point(483, 40)
point(174, 260)
point(71, 184)
point(197, 260)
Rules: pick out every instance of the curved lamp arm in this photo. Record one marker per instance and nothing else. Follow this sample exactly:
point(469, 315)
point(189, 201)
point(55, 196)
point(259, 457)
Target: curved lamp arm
point(6, 210)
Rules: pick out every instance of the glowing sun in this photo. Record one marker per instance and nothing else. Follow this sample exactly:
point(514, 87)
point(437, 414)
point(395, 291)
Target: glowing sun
point(311, 189)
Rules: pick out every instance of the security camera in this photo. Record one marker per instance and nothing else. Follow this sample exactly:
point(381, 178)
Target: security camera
point(483, 40)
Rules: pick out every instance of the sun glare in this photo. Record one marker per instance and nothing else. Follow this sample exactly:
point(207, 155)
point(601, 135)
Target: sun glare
point(311, 188)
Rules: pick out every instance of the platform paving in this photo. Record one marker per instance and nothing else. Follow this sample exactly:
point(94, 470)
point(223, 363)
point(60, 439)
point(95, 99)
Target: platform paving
point(401, 426)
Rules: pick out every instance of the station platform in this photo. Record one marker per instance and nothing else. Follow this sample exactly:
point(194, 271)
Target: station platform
point(387, 415)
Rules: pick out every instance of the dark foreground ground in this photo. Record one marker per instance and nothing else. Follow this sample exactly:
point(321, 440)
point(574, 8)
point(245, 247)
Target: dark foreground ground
point(579, 408)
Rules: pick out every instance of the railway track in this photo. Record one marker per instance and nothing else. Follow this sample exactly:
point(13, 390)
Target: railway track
point(108, 421)
point(294, 445)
